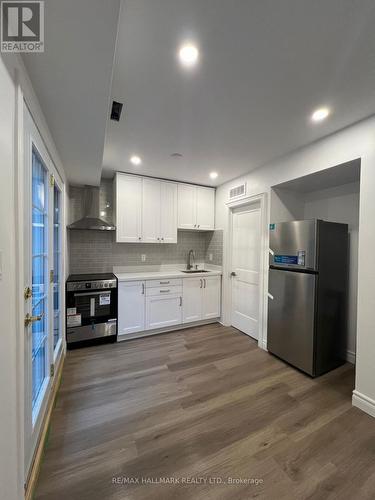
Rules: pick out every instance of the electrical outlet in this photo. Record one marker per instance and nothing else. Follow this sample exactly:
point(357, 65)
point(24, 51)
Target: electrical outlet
point(210, 257)
point(143, 257)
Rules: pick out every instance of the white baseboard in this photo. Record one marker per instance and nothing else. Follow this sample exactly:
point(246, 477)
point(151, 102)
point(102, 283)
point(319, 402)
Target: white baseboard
point(350, 357)
point(364, 403)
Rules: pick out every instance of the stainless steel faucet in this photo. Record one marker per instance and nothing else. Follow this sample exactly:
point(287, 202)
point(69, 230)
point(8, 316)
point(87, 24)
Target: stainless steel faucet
point(191, 256)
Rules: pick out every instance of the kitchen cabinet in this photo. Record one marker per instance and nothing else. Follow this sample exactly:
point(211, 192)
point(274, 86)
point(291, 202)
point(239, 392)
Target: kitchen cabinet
point(128, 208)
point(159, 211)
point(211, 303)
point(201, 298)
point(146, 210)
point(150, 211)
point(131, 307)
point(163, 310)
point(168, 212)
point(196, 207)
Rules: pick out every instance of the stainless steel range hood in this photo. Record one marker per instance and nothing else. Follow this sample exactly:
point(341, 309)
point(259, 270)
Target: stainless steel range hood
point(91, 213)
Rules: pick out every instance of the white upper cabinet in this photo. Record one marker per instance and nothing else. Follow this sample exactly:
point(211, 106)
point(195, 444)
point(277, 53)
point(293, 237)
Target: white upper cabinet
point(128, 200)
point(205, 208)
point(196, 207)
point(187, 206)
point(168, 212)
point(151, 211)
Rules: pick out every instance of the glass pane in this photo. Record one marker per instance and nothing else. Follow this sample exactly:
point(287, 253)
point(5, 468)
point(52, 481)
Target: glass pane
point(38, 371)
point(39, 247)
point(56, 264)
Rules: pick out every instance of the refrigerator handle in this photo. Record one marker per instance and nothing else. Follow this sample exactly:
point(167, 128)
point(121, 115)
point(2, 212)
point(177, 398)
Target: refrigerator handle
point(270, 296)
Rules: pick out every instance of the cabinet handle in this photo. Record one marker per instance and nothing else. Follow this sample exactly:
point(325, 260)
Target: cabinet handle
point(201, 283)
point(164, 291)
point(180, 301)
point(204, 282)
point(158, 239)
point(164, 282)
point(143, 288)
point(139, 237)
point(162, 239)
point(199, 225)
point(195, 225)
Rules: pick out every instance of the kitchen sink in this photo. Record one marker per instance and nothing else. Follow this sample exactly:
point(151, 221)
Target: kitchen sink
point(192, 271)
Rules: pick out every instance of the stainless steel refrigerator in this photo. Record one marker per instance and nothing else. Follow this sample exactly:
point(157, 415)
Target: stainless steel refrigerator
point(307, 306)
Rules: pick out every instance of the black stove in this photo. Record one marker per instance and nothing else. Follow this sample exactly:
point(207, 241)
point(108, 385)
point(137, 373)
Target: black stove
point(91, 277)
point(91, 308)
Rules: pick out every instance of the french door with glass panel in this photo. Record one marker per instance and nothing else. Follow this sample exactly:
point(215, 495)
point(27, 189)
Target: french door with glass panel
point(42, 279)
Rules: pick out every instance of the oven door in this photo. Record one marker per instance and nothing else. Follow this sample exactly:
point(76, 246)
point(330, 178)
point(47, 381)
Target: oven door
point(91, 314)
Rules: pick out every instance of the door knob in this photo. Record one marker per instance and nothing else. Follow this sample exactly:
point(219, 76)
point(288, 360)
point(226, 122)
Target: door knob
point(32, 319)
point(233, 273)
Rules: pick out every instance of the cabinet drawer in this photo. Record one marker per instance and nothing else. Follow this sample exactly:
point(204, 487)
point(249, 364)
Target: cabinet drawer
point(164, 282)
point(164, 290)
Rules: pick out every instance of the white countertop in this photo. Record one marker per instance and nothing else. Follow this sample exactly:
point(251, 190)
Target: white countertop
point(138, 275)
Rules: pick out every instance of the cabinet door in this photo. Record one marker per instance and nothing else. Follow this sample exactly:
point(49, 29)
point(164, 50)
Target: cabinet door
point(205, 208)
point(168, 212)
point(192, 299)
point(128, 208)
point(211, 297)
point(163, 311)
point(150, 211)
point(131, 307)
point(187, 213)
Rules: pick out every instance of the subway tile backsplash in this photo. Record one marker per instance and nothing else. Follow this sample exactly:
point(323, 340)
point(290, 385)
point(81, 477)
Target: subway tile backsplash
point(97, 251)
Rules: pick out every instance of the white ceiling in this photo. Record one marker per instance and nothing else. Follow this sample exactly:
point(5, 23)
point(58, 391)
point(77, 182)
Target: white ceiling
point(339, 175)
point(72, 80)
point(264, 67)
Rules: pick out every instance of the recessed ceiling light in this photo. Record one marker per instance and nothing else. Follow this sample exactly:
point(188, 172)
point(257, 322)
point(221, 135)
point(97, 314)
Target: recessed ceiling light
point(136, 160)
point(213, 175)
point(188, 54)
point(320, 114)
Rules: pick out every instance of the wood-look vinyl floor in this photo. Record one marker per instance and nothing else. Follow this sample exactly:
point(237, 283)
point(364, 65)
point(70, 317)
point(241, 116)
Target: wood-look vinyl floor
point(203, 407)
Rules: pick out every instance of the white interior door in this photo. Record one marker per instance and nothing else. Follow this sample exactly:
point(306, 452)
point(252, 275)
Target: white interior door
point(246, 248)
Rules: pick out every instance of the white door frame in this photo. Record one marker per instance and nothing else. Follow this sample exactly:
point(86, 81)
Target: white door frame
point(259, 201)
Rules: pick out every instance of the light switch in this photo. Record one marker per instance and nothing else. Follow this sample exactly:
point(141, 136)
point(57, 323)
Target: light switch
point(143, 257)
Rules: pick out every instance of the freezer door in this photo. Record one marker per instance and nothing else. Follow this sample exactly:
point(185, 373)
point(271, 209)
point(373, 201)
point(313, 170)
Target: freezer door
point(293, 244)
point(291, 308)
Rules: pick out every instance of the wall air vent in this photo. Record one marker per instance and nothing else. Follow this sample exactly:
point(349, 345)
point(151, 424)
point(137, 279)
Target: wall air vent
point(237, 191)
point(116, 111)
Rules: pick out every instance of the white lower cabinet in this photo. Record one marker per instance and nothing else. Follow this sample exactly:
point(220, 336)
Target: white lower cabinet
point(163, 311)
point(131, 307)
point(201, 298)
point(211, 303)
point(156, 304)
point(192, 293)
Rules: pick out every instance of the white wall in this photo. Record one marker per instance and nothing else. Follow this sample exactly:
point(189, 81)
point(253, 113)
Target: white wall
point(351, 143)
point(11, 488)
point(341, 204)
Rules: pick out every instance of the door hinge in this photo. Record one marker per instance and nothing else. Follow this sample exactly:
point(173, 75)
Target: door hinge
point(52, 370)
point(52, 180)
point(51, 276)
point(27, 293)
